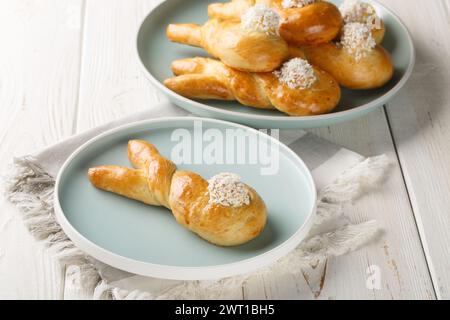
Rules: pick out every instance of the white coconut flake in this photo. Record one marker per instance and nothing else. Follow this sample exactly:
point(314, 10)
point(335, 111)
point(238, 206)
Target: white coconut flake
point(226, 189)
point(362, 12)
point(287, 4)
point(261, 18)
point(297, 73)
point(357, 39)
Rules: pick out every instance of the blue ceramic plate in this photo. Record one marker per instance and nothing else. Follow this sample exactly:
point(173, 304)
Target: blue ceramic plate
point(147, 240)
point(156, 54)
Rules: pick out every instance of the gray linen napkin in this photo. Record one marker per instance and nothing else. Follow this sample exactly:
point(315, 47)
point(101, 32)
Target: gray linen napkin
point(340, 175)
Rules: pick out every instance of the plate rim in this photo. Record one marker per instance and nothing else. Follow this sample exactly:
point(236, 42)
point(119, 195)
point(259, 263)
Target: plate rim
point(282, 118)
point(176, 272)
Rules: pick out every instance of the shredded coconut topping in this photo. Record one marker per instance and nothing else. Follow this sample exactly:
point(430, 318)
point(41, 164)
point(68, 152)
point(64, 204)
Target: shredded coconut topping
point(357, 39)
point(226, 189)
point(287, 4)
point(357, 11)
point(297, 73)
point(262, 19)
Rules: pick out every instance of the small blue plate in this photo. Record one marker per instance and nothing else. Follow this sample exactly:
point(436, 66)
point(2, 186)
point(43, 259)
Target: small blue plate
point(147, 240)
point(156, 53)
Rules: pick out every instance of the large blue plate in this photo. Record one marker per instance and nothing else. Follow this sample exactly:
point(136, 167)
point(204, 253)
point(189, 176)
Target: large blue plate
point(156, 53)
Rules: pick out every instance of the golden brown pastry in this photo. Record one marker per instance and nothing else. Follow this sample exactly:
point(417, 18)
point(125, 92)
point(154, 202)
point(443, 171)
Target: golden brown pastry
point(223, 210)
point(253, 45)
point(297, 88)
point(365, 13)
point(356, 62)
point(303, 22)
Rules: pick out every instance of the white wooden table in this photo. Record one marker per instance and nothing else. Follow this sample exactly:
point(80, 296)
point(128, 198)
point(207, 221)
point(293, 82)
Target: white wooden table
point(69, 65)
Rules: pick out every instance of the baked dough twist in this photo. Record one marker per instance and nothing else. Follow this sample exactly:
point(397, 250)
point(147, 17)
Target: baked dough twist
point(203, 78)
point(239, 48)
point(315, 23)
point(156, 181)
point(371, 72)
point(356, 61)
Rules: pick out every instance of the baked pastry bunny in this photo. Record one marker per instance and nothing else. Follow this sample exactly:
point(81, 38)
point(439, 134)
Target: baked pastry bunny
point(252, 45)
point(223, 210)
point(303, 22)
point(356, 61)
point(365, 13)
point(297, 88)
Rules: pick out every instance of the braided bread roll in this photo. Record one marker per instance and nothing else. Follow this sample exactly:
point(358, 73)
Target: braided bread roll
point(371, 72)
point(156, 181)
point(203, 78)
point(239, 48)
point(314, 23)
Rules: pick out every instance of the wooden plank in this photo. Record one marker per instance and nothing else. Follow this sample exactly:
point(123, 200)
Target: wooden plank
point(398, 253)
point(112, 82)
point(38, 94)
point(420, 121)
